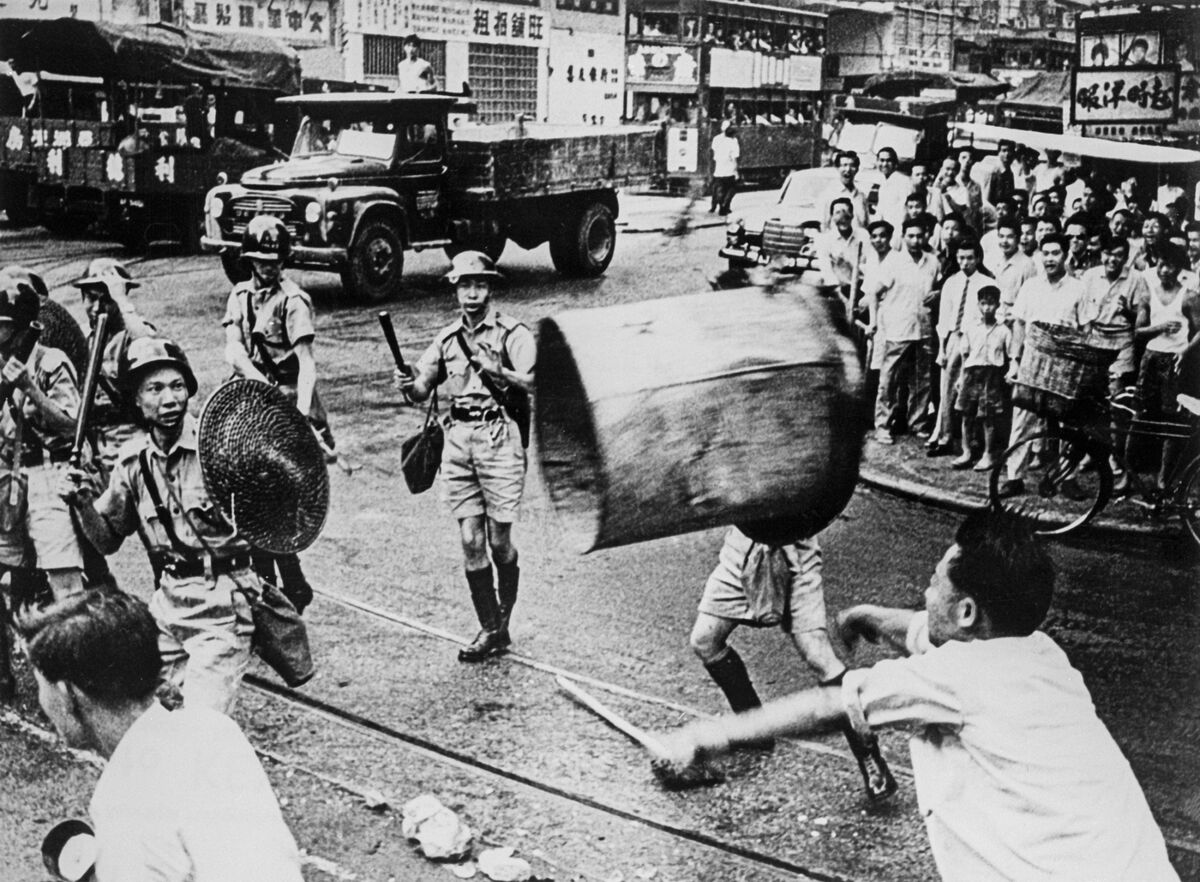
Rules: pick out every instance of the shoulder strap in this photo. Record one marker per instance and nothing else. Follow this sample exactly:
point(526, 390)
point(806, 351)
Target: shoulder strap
point(488, 383)
point(156, 498)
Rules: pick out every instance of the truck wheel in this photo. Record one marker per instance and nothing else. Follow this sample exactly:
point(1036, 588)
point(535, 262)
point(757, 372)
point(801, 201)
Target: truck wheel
point(376, 263)
point(235, 268)
point(585, 248)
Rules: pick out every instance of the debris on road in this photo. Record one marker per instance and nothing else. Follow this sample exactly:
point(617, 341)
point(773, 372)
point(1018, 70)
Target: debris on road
point(499, 865)
point(440, 833)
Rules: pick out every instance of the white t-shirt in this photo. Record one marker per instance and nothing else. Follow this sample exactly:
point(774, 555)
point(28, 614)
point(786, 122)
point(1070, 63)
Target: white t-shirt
point(1016, 776)
point(415, 76)
point(1040, 300)
point(184, 799)
point(725, 151)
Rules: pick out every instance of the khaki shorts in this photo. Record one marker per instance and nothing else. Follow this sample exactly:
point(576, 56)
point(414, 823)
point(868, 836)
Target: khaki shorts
point(204, 631)
point(797, 589)
point(481, 476)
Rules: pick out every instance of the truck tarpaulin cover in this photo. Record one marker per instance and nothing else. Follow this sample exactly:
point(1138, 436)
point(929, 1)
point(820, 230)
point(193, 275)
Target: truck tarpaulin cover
point(141, 53)
point(1048, 89)
point(898, 83)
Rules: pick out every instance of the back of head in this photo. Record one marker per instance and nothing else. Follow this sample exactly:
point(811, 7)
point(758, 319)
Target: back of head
point(105, 643)
point(1006, 569)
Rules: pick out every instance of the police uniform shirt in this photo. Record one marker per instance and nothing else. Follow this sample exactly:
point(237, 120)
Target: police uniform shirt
point(281, 320)
point(498, 332)
point(52, 372)
point(127, 506)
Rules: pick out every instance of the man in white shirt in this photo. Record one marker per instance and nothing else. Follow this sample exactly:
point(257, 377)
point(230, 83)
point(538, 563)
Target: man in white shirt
point(413, 73)
point(958, 310)
point(1050, 298)
point(725, 154)
point(847, 166)
point(183, 798)
point(840, 249)
point(898, 297)
point(1011, 266)
point(1016, 775)
point(1008, 209)
point(893, 189)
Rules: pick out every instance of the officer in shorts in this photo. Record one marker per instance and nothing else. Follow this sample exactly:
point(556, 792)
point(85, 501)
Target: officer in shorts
point(269, 334)
point(200, 564)
point(473, 362)
point(37, 428)
point(762, 586)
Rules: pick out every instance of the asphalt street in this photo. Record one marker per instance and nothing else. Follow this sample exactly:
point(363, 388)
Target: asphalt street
point(392, 714)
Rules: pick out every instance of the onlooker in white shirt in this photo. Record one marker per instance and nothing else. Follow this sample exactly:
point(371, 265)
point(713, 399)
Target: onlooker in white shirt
point(1050, 298)
point(726, 151)
point(183, 797)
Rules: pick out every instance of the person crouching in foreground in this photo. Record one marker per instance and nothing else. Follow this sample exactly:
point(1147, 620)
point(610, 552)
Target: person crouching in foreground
point(1016, 776)
point(183, 797)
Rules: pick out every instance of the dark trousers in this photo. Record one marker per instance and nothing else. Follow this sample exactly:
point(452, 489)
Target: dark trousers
point(722, 194)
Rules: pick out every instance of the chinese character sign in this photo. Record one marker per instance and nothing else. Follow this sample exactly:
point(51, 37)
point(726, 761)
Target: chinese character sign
point(296, 21)
point(1124, 95)
point(493, 23)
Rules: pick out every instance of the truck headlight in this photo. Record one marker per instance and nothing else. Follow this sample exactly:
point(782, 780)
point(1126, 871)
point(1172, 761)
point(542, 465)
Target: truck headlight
point(733, 231)
point(216, 207)
point(312, 213)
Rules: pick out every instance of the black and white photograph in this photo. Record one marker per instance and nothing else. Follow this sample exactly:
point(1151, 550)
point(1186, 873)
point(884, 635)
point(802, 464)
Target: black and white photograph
point(599, 441)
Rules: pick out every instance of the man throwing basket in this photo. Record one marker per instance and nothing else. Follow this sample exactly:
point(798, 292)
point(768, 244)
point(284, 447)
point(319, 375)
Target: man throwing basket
point(482, 362)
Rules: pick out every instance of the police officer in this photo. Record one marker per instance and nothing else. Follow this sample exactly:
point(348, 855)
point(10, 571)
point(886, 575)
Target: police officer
point(37, 427)
point(201, 567)
point(105, 289)
point(269, 336)
point(475, 361)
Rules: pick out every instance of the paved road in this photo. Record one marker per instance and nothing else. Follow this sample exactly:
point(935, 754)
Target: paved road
point(499, 742)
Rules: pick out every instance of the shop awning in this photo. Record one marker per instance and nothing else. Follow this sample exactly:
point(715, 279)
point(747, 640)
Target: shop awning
point(1048, 89)
point(1099, 148)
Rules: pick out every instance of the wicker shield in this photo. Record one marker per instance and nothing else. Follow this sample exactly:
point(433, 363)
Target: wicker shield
point(61, 331)
point(263, 467)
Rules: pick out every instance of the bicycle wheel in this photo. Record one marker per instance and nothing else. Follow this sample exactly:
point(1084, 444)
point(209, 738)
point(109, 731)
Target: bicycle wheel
point(1068, 491)
point(1188, 500)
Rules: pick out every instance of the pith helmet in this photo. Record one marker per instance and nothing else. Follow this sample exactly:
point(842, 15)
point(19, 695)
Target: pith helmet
point(146, 353)
point(267, 238)
point(106, 271)
point(19, 303)
point(30, 278)
point(472, 264)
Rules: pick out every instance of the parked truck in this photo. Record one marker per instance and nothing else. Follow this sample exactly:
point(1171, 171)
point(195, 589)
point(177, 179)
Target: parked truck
point(374, 175)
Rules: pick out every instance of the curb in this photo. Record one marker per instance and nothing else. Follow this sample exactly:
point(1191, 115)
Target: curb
point(961, 503)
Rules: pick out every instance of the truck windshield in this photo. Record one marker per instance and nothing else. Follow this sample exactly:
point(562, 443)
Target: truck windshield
point(345, 137)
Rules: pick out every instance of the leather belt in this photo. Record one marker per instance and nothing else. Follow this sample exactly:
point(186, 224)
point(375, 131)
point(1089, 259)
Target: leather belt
point(189, 567)
point(474, 413)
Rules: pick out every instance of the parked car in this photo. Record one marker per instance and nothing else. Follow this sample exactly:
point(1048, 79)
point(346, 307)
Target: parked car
point(774, 234)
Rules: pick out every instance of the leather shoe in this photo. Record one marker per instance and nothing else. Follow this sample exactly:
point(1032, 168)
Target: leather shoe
point(938, 449)
point(487, 643)
point(1013, 487)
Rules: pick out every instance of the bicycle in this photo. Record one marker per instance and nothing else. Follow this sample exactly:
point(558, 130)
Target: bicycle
point(1076, 480)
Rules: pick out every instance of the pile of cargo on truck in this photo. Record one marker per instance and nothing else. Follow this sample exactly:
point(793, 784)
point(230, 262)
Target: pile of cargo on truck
point(372, 176)
point(126, 126)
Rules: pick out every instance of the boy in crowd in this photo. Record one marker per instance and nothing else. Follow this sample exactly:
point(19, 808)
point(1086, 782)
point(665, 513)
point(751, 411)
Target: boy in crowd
point(980, 401)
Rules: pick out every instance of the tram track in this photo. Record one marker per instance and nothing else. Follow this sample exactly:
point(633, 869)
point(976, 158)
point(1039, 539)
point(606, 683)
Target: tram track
point(463, 762)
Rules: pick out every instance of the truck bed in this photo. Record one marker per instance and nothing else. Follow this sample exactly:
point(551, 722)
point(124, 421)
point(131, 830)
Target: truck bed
point(492, 163)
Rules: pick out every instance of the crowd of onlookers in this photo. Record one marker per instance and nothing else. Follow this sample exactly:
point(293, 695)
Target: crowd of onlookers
point(959, 274)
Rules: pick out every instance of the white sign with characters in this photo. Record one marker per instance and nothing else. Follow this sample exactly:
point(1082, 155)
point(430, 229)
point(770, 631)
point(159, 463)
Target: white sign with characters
point(1124, 95)
point(293, 21)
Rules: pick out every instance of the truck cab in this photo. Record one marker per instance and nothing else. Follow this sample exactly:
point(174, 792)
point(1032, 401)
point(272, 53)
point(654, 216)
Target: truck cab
point(364, 182)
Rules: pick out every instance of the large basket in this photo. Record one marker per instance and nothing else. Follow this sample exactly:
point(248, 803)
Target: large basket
point(1060, 374)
